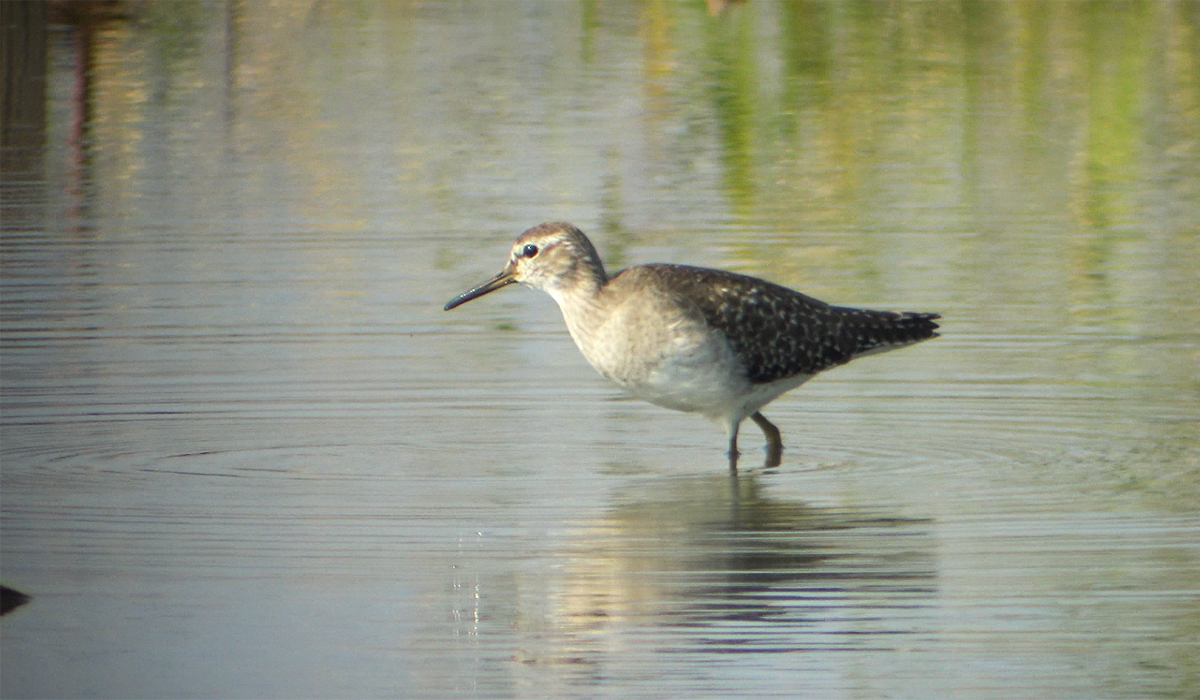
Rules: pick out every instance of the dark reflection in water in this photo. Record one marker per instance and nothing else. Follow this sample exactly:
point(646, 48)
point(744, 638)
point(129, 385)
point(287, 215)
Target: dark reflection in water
point(11, 599)
point(713, 565)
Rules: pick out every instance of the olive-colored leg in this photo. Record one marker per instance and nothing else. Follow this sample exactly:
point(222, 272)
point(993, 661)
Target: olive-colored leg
point(774, 443)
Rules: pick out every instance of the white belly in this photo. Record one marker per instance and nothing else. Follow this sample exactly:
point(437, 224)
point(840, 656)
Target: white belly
point(717, 389)
point(698, 377)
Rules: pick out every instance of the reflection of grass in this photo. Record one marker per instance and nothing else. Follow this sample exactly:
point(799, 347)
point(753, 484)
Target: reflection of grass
point(733, 79)
point(1116, 73)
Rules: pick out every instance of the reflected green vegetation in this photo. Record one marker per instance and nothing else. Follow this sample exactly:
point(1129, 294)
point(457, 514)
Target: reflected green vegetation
point(731, 76)
point(1037, 125)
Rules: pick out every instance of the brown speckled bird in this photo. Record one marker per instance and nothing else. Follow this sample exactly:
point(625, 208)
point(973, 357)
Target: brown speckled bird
point(695, 339)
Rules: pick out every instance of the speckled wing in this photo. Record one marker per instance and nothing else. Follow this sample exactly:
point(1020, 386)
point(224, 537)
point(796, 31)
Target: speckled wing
point(781, 333)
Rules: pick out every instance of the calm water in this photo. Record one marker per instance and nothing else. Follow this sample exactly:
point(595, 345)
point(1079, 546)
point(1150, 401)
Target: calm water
point(246, 454)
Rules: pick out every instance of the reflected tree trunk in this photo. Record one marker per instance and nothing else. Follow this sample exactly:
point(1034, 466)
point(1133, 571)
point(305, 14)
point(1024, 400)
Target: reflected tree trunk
point(24, 72)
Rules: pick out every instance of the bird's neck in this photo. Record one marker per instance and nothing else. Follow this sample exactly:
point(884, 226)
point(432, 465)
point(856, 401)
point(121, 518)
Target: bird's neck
point(580, 297)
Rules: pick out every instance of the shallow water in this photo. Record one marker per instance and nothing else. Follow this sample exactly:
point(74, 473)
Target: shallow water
point(245, 453)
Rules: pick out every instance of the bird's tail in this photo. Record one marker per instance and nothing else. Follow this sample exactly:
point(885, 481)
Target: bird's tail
point(871, 332)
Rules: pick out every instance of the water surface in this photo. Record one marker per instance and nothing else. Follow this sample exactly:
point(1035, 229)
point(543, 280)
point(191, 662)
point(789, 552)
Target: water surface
point(246, 454)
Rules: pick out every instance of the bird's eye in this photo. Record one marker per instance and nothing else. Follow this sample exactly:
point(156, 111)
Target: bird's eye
point(529, 251)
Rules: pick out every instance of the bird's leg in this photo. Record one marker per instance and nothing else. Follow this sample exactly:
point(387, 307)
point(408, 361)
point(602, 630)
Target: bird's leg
point(733, 451)
point(774, 443)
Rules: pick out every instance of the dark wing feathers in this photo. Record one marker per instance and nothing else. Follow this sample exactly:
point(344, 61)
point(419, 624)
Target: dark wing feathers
point(878, 330)
point(780, 332)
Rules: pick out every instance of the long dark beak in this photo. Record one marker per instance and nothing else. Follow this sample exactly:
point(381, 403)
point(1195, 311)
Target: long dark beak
point(503, 279)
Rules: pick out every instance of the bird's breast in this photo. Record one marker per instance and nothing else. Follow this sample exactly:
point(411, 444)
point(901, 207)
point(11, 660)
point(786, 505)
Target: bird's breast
point(661, 354)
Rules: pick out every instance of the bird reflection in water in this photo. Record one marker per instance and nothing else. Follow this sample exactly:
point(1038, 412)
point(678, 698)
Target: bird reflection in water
point(715, 565)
